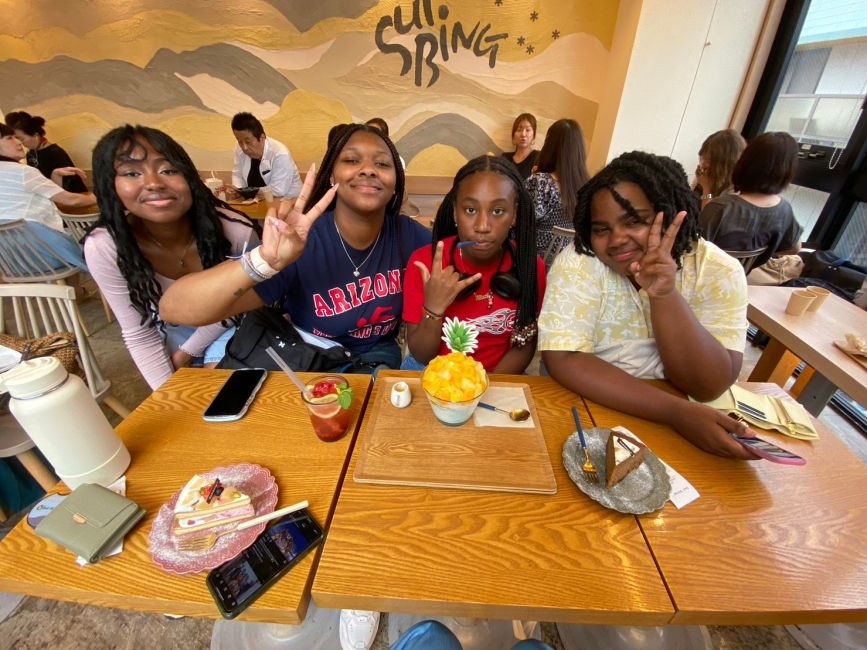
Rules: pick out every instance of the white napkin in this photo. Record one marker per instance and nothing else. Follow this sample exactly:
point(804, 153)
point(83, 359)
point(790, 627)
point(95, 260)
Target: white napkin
point(8, 358)
point(682, 491)
point(504, 397)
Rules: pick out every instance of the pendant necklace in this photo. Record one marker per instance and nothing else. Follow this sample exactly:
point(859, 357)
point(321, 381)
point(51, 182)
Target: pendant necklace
point(489, 296)
point(181, 261)
point(357, 267)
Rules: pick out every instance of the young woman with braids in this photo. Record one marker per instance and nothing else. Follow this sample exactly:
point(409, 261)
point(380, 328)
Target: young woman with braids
point(496, 284)
point(340, 276)
point(158, 223)
point(642, 296)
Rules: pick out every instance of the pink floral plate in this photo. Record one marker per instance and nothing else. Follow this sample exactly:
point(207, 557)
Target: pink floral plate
point(253, 480)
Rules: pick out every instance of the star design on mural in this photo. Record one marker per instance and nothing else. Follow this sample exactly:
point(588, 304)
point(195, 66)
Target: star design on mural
point(555, 34)
point(534, 16)
point(521, 40)
point(530, 49)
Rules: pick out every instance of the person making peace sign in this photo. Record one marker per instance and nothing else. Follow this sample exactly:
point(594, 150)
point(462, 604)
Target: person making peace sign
point(642, 296)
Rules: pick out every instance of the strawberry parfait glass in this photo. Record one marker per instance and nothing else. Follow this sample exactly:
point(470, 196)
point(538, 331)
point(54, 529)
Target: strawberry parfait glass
point(328, 398)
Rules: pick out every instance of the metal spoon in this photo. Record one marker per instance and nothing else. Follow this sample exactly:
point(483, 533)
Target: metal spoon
point(518, 415)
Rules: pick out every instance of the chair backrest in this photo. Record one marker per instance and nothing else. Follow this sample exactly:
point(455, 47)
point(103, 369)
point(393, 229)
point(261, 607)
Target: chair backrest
point(26, 257)
point(41, 309)
point(79, 224)
point(560, 238)
point(748, 258)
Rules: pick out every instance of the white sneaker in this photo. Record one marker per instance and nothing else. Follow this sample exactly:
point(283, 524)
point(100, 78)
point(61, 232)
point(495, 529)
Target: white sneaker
point(357, 629)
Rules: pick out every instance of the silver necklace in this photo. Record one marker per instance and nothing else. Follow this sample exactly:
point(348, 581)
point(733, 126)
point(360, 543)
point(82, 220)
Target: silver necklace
point(181, 261)
point(356, 272)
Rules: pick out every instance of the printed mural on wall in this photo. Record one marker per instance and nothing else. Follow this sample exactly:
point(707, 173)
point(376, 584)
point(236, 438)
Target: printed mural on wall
point(448, 76)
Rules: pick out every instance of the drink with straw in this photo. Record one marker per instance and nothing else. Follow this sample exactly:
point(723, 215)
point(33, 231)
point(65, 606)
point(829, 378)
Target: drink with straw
point(328, 398)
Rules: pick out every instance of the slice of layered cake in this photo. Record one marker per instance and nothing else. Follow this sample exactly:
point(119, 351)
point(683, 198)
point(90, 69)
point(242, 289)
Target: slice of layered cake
point(622, 455)
point(204, 504)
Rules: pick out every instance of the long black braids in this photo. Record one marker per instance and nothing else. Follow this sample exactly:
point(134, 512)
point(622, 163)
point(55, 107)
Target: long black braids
point(525, 230)
point(120, 144)
point(326, 167)
point(664, 182)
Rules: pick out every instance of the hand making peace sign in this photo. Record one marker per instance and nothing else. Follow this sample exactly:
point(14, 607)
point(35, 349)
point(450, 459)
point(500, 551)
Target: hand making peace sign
point(284, 235)
point(442, 285)
point(655, 271)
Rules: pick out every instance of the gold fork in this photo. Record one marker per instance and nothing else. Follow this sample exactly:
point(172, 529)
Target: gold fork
point(207, 543)
point(588, 468)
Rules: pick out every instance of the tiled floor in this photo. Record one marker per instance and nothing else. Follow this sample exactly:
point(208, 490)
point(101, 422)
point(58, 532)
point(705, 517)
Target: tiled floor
point(38, 623)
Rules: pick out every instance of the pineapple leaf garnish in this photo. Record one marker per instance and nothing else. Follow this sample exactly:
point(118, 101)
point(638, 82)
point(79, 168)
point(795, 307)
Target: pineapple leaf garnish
point(460, 336)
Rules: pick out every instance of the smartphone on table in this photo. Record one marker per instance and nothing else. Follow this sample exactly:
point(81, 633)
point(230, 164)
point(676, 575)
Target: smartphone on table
point(236, 395)
point(240, 581)
point(770, 451)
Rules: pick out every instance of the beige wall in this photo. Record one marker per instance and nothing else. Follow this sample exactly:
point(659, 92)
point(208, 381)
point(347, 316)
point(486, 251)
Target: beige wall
point(88, 65)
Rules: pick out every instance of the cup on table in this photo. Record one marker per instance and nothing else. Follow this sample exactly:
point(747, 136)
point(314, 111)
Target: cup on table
point(329, 419)
point(401, 397)
point(267, 195)
point(799, 301)
point(819, 295)
point(214, 184)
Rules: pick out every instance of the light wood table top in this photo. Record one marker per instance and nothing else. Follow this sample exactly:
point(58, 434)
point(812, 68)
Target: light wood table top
point(811, 336)
point(257, 210)
point(501, 555)
point(169, 442)
point(765, 544)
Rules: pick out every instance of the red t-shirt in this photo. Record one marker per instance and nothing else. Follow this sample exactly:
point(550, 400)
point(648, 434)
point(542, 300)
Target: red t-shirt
point(495, 324)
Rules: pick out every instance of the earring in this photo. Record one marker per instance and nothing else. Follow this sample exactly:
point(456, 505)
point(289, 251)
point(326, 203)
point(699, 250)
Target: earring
point(331, 180)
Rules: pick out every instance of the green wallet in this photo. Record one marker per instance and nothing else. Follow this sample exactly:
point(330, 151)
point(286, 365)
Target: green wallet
point(90, 521)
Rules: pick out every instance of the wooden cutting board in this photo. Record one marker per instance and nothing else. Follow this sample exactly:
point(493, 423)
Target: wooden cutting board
point(410, 446)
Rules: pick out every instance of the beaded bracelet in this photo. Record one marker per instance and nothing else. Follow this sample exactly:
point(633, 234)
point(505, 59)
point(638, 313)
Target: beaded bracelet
point(249, 269)
point(431, 315)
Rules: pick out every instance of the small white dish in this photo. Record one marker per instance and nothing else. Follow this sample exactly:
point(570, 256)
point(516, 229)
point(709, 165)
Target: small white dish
point(401, 397)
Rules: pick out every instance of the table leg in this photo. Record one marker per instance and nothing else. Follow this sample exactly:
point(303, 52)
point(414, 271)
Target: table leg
point(775, 365)
point(816, 394)
point(801, 382)
point(37, 469)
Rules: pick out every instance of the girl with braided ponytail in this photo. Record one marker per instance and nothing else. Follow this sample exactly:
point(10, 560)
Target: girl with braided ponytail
point(642, 296)
point(476, 271)
point(158, 222)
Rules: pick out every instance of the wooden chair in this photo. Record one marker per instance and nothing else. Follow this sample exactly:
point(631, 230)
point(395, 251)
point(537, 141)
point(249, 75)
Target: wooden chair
point(25, 257)
point(748, 258)
point(560, 238)
point(78, 225)
point(41, 309)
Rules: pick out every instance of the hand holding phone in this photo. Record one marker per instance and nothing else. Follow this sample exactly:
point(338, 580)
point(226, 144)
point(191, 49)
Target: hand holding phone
point(237, 583)
point(236, 395)
point(769, 451)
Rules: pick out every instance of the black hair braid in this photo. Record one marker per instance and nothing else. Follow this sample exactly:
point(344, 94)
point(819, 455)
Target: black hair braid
point(664, 182)
point(211, 243)
point(525, 227)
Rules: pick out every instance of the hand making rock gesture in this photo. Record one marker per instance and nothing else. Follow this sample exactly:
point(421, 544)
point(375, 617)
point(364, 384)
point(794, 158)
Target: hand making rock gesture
point(655, 271)
point(442, 285)
point(284, 235)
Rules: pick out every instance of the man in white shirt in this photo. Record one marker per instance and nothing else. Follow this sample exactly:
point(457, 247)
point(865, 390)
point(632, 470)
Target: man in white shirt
point(261, 161)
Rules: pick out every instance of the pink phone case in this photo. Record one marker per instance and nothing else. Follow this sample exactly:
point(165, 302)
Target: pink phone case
point(770, 451)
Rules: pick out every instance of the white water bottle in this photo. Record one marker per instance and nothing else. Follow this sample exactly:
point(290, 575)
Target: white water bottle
point(64, 421)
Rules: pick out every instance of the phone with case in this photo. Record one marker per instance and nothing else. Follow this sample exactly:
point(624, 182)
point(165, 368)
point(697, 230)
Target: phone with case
point(770, 451)
point(236, 395)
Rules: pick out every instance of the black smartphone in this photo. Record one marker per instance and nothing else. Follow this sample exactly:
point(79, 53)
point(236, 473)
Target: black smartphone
point(236, 395)
point(240, 581)
point(770, 451)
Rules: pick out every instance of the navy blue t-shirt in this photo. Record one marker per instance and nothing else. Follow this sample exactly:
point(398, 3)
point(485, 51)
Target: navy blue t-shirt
point(321, 294)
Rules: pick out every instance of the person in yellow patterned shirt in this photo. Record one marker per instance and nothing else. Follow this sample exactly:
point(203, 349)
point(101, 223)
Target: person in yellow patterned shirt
point(640, 296)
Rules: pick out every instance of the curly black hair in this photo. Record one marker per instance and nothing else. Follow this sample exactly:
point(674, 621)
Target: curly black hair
point(664, 182)
point(122, 143)
point(525, 229)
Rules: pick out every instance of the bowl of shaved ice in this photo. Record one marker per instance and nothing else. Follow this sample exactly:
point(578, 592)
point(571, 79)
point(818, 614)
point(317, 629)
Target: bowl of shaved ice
point(455, 382)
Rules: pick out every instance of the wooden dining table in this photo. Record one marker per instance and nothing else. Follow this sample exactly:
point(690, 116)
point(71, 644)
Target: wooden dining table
point(458, 552)
point(764, 544)
point(809, 337)
point(169, 443)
